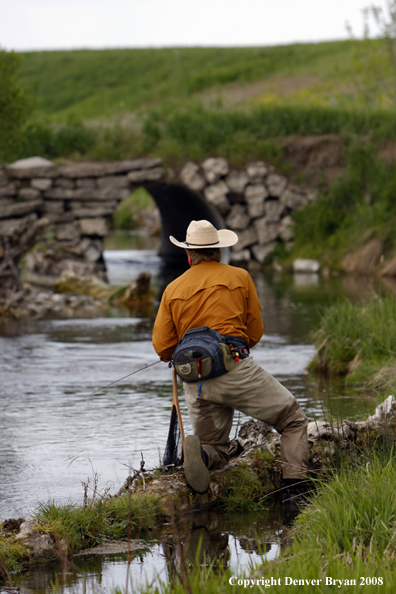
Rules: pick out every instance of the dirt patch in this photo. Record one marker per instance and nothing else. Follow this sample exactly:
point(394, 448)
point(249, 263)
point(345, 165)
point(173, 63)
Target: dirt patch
point(364, 259)
point(274, 86)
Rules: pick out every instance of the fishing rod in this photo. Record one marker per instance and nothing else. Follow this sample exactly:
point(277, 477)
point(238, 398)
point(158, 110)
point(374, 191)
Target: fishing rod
point(124, 377)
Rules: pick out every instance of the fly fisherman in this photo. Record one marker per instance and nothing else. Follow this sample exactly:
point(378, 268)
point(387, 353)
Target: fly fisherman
point(224, 298)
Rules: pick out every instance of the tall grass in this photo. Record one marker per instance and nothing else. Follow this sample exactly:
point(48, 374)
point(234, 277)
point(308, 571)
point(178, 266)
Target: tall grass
point(359, 340)
point(82, 527)
point(346, 533)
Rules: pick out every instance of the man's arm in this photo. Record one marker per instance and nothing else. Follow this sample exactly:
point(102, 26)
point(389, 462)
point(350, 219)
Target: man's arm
point(165, 337)
point(254, 323)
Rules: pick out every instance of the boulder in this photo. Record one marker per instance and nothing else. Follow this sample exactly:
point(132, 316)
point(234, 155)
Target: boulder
point(257, 172)
point(266, 231)
point(305, 265)
point(41, 183)
point(237, 181)
point(254, 197)
point(237, 218)
point(191, 177)
point(146, 175)
point(216, 194)
point(95, 226)
point(32, 167)
point(294, 197)
point(214, 169)
point(261, 252)
point(246, 238)
point(276, 184)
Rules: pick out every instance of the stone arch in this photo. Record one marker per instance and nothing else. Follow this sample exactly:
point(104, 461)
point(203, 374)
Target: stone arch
point(79, 200)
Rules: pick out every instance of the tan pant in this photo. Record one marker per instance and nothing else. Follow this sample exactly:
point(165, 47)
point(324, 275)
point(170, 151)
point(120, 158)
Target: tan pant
point(253, 391)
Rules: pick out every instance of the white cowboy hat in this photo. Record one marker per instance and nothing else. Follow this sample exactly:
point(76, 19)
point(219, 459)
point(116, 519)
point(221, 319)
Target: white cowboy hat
point(202, 234)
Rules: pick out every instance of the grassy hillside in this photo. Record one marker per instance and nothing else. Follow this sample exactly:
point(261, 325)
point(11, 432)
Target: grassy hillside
point(100, 84)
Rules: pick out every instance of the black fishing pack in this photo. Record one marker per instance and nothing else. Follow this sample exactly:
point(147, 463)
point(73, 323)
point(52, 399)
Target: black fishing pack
point(202, 354)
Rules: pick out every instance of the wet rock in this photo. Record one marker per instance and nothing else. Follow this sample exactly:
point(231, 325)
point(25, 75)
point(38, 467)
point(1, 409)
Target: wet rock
point(39, 544)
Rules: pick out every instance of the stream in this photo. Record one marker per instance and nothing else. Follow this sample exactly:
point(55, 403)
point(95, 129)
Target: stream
point(66, 414)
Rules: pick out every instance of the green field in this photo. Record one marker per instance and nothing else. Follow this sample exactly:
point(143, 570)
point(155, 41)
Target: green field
point(181, 103)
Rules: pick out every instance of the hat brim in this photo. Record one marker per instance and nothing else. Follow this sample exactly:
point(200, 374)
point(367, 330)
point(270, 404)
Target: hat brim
point(226, 237)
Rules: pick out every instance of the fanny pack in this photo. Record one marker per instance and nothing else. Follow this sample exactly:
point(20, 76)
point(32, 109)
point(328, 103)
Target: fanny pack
point(204, 353)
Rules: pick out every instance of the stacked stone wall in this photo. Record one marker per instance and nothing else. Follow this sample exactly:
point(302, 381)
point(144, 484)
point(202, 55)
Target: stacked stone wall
point(79, 201)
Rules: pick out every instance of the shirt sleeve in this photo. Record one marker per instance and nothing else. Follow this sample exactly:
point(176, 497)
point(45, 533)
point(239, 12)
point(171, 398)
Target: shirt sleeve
point(165, 337)
point(254, 323)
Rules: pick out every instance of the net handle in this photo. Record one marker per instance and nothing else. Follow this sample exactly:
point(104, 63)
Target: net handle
point(175, 403)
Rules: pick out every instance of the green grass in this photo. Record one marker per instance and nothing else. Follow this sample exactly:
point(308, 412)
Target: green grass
point(356, 207)
point(346, 533)
point(359, 340)
point(185, 103)
point(124, 216)
point(83, 527)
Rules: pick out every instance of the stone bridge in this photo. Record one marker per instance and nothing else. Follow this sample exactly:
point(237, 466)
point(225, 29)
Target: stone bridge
point(78, 202)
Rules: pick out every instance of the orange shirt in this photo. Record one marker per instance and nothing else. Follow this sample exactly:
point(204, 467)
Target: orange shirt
point(208, 294)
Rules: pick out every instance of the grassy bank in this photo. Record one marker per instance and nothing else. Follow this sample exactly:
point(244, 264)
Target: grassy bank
point(359, 341)
point(344, 539)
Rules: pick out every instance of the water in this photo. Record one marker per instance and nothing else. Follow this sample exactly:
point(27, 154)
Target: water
point(57, 425)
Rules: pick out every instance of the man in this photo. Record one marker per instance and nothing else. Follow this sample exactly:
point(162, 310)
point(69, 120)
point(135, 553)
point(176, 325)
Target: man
point(224, 298)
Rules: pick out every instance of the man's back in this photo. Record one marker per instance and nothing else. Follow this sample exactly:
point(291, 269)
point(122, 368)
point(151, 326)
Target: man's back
point(208, 294)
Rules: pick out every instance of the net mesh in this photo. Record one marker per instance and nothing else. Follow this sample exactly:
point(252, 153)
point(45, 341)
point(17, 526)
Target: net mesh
point(173, 448)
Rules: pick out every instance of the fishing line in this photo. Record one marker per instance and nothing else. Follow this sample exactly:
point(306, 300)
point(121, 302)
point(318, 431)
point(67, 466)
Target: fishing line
point(122, 378)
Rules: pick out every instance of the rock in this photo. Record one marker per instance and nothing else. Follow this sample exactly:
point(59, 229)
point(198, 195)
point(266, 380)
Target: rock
point(92, 249)
point(146, 175)
point(62, 182)
point(99, 169)
point(113, 181)
point(54, 207)
point(39, 544)
point(191, 177)
point(11, 227)
point(305, 266)
point(286, 229)
point(384, 414)
point(87, 182)
point(237, 181)
point(241, 257)
point(266, 231)
point(96, 226)
point(32, 167)
point(273, 211)
point(69, 232)
point(261, 252)
point(41, 183)
point(257, 171)
point(8, 190)
point(216, 194)
point(214, 169)
point(28, 194)
point(20, 208)
point(294, 197)
point(238, 218)
point(246, 238)
point(276, 184)
point(3, 178)
point(255, 196)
